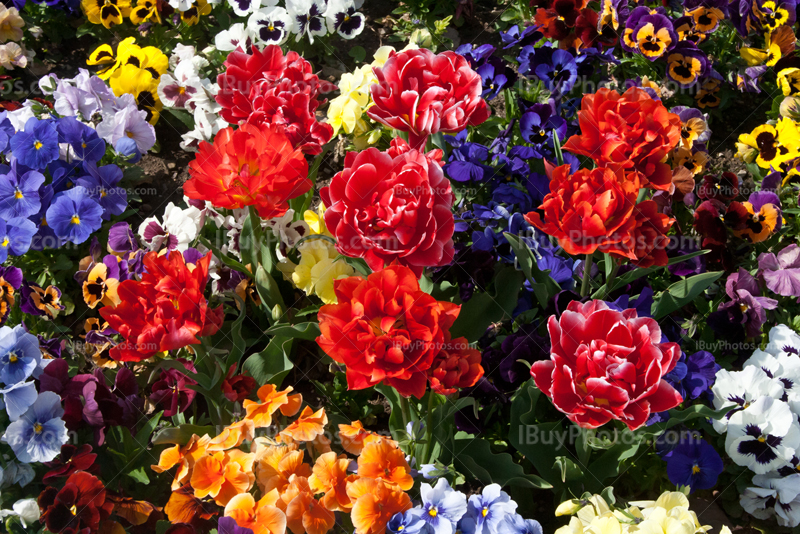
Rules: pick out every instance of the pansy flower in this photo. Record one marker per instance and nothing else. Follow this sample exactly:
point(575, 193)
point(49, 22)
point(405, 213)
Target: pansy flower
point(694, 463)
point(723, 186)
point(106, 12)
point(37, 144)
point(19, 191)
point(706, 19)
point(686, 30)
point(37, 300)
point(101, 283)
point(15, 237)
point(779, 44)
point(789, 81)
point(75, 215)
point(654, 36)
point(86, 145)
point(514, 37)
point(104, 55)
point(10, 282)
point(308, 18)
point(628, 40)
point(686, 64)
point(556, 68)
point(101, 183)
point(694, 125)
point(694, 159)
point(774, 13)
point(20, 357)
point(144, 11)
point(770, 145)
point(37, 436)
point(343, 18)
point(558, 20)
point(271, 25)
point(191, 16)
point(78, 507)
point(496, 76)
point(764, 219)
point(130, 79)
point(763, 436)
point(537, 126)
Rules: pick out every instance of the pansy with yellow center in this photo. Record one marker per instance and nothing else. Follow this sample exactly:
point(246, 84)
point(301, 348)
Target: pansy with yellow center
point(144, 11)
point(779, 44)
point(101, 283)
point(104, 55)
point(687, 31)
point(764, 217)
point(106, 12)
point(772, 14)
point(37, 300)
point(654, 36)
point(130, 79)
point(199, 8)
point(770, 145)
point(706, 19)
point(686, 64)
point(695, 160)
point(789, 81)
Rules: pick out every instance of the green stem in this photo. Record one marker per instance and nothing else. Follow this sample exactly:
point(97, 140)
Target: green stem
point(587, 275)
point(426, 453)
point(405, 410)
point(611, 278)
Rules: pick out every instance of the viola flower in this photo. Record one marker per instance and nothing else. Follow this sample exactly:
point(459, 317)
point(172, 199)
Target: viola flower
point(764, 217)
point(385, 352)
point(383, 459)
point(746, 312)
point(101, 183)
point(686, 30)
point(516, 524)
point(36, 145)
point(408, 522)
point(514, 37)
point(468, 161)
point(37, 436)
point(79, 506)
point(143, 85)
point(330, 476)
point(343, 18)
point(177, 232)
point(71, 460)
point(129, 122)
point(487, 510)
point(648, 129)
point(40, 301)
point(10, 282)
point(251, 166)
point(442, 89)
point(694, 463)
point(763, 436)
point(270, 25)
point(686, 64)
point(537, 125)
point(261, 517)
point(770, 146)
point(83, 139)
point(222, 475)
point(442, 507)
point(277, 464)
point(774, 13)
point(597, 214)
point(724, 187)
point(19, 191)
point(20, 357)
point(694, 159)
point(308, 18)
point(17, 398)
point(170, 391)
point(694, 126)
point(157, 313)
point(558, 72)
point(556, 22)
point(308, 425)
point(375, 503)
point(781, 272)
point(271, 401)
point(16, 236)
point(789, 81)
point(590, 397)
point(775, 496)
point(106, 12)
point(74, 215)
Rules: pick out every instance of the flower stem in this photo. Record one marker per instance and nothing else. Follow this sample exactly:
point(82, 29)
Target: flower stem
point(426, 453)
point(611, 277)
point(587, 274)
point(405, 411)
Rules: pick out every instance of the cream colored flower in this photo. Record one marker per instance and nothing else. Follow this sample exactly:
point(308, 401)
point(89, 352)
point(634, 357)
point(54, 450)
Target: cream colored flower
point(317, 270)
point(12, 55)
point(316, 222)
point(11, 24)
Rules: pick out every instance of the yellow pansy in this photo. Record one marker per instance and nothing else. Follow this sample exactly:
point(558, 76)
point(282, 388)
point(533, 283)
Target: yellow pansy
point(317, 270)
point(770, 145)
point(316, 222)
point(104, 55)
point(106, 12)
point(144, 11)
point(142, 85)
point(199, 8)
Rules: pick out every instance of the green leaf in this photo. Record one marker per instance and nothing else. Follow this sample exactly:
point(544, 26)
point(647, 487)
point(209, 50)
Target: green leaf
point(474, 457)
point(484, 309)
point(268, 290)
point(239, 343)
point(272, 364)
point(544, 287)
point(143, 435)
point(227, 260)
point(681, 293)
point(680, 416)
point(308, 331)
point(635, 274)
point(182, 116)
point(180, 435)
point(357, 53)
point(139, 475)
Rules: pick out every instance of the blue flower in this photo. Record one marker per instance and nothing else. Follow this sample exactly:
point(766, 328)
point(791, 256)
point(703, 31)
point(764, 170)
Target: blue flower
point(83, 139)
point(476, 55)
point(37, 144)
point(127, 148)
point(19, 191)
point(537, 125)
point(442, 507)
point(694, 463)
point(6, 130)
point(559, 72)
point(18, 398)
point(512, 195)
point(496, 76)
point(516, 524)
point(38, 435)
point(101, 182)
point(468, 160)
point(486, 511)
point(408, 522)
point(20, 356)
point(513, 37)
point(561, 268)
point(15, 237)
point(74, 215)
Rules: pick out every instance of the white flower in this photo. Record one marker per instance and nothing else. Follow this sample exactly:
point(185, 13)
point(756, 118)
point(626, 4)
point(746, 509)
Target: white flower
point(287, 230)
point(342, 18)
point(774, 494)
point(206, 126)
point(181, 5)
point(783, 339)
point(130, 122)
point(244, 8)
point(237, 36)
point(181, 53)
point(178, 91)
point(308, 17)
point(27, 510)
point(13, 55)
point(271, 25)
point(742, 388)
point(763, 436)
point(783, 367)
point(179, 229)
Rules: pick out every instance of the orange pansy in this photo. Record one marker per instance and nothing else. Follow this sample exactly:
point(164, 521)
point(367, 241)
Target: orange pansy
point(262, 517)
point(184, 507)
point(304, 513)
point(223, 475)
point(276, 464)
point(330, 477)
point(307, 426)
point(233, 435)
point(271, 400)
point(352, 437)
point(186, 456)
point(374, 504)
point(384, 460)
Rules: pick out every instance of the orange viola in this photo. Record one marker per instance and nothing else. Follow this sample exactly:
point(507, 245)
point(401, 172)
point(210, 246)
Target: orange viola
point(184, 507)
point(223, 475)
point(352, 437)
point(276, 464)
point(254, 165)
point(304, 514)
point(186, 456)
point(271, 401)
point(232, 436)
point(374, 504)
point(330, 476)
point(383, 459)
point(307, 426)
point(262, 517)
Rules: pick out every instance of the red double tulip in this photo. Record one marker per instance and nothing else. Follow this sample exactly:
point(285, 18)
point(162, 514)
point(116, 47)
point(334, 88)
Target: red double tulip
point(423, 93)
point(457, 366)
point(165, 310)
point(266, 87)
point(606, 365)
point(392, 206)
point(385, 329)
point(631, 130)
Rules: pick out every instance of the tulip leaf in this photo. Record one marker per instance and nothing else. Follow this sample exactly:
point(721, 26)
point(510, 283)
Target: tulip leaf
point(484, 309)
point(239, 343)
point(268, 291)
point(474, 457)
point(227, 260)
point(635, 274)
point(180, 435)
point(272, 364)
point(681, 293)
point(308, 331)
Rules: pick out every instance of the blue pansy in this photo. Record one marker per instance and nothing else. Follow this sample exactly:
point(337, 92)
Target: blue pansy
point(37, 436)
point(516, 524)
point(442, 507)
point(487, 510)
point(496, 76)
point(526, 37)
point(83, 139)
point(561, 268)
point(467, 161)
point(510, 195)
point(537, 125)
point(695, 463)
point(17, 398)
point(128, 149)
point(6, 130)
point(74, 215)
point(408, 522)
point(558, 72)
point(101, 182)
point(19, 191)
point(37, 144)
point(15, 237)
point(20, 356)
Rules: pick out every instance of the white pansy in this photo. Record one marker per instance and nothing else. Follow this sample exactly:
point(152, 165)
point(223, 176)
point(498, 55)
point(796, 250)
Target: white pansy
point(763, 436)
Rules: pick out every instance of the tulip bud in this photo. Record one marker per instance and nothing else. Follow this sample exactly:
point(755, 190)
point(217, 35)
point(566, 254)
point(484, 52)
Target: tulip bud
point(422, 38)
point(277, 312)
point(569, 507)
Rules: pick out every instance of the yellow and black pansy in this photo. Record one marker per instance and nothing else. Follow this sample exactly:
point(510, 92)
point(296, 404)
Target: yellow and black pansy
point(39, 300)
point(770, 145)
point(654, 36)
point(694, 159)
point(199, 8)
point(146, 11)
point(109, 13)
point(779, 44)
point(763, 218)
point(142, 85)
point(104, 55)
point(686, 30)
point(100, 287)
point(148, 58)
point(686, 64)
point(772, 14)
point(706, 19)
